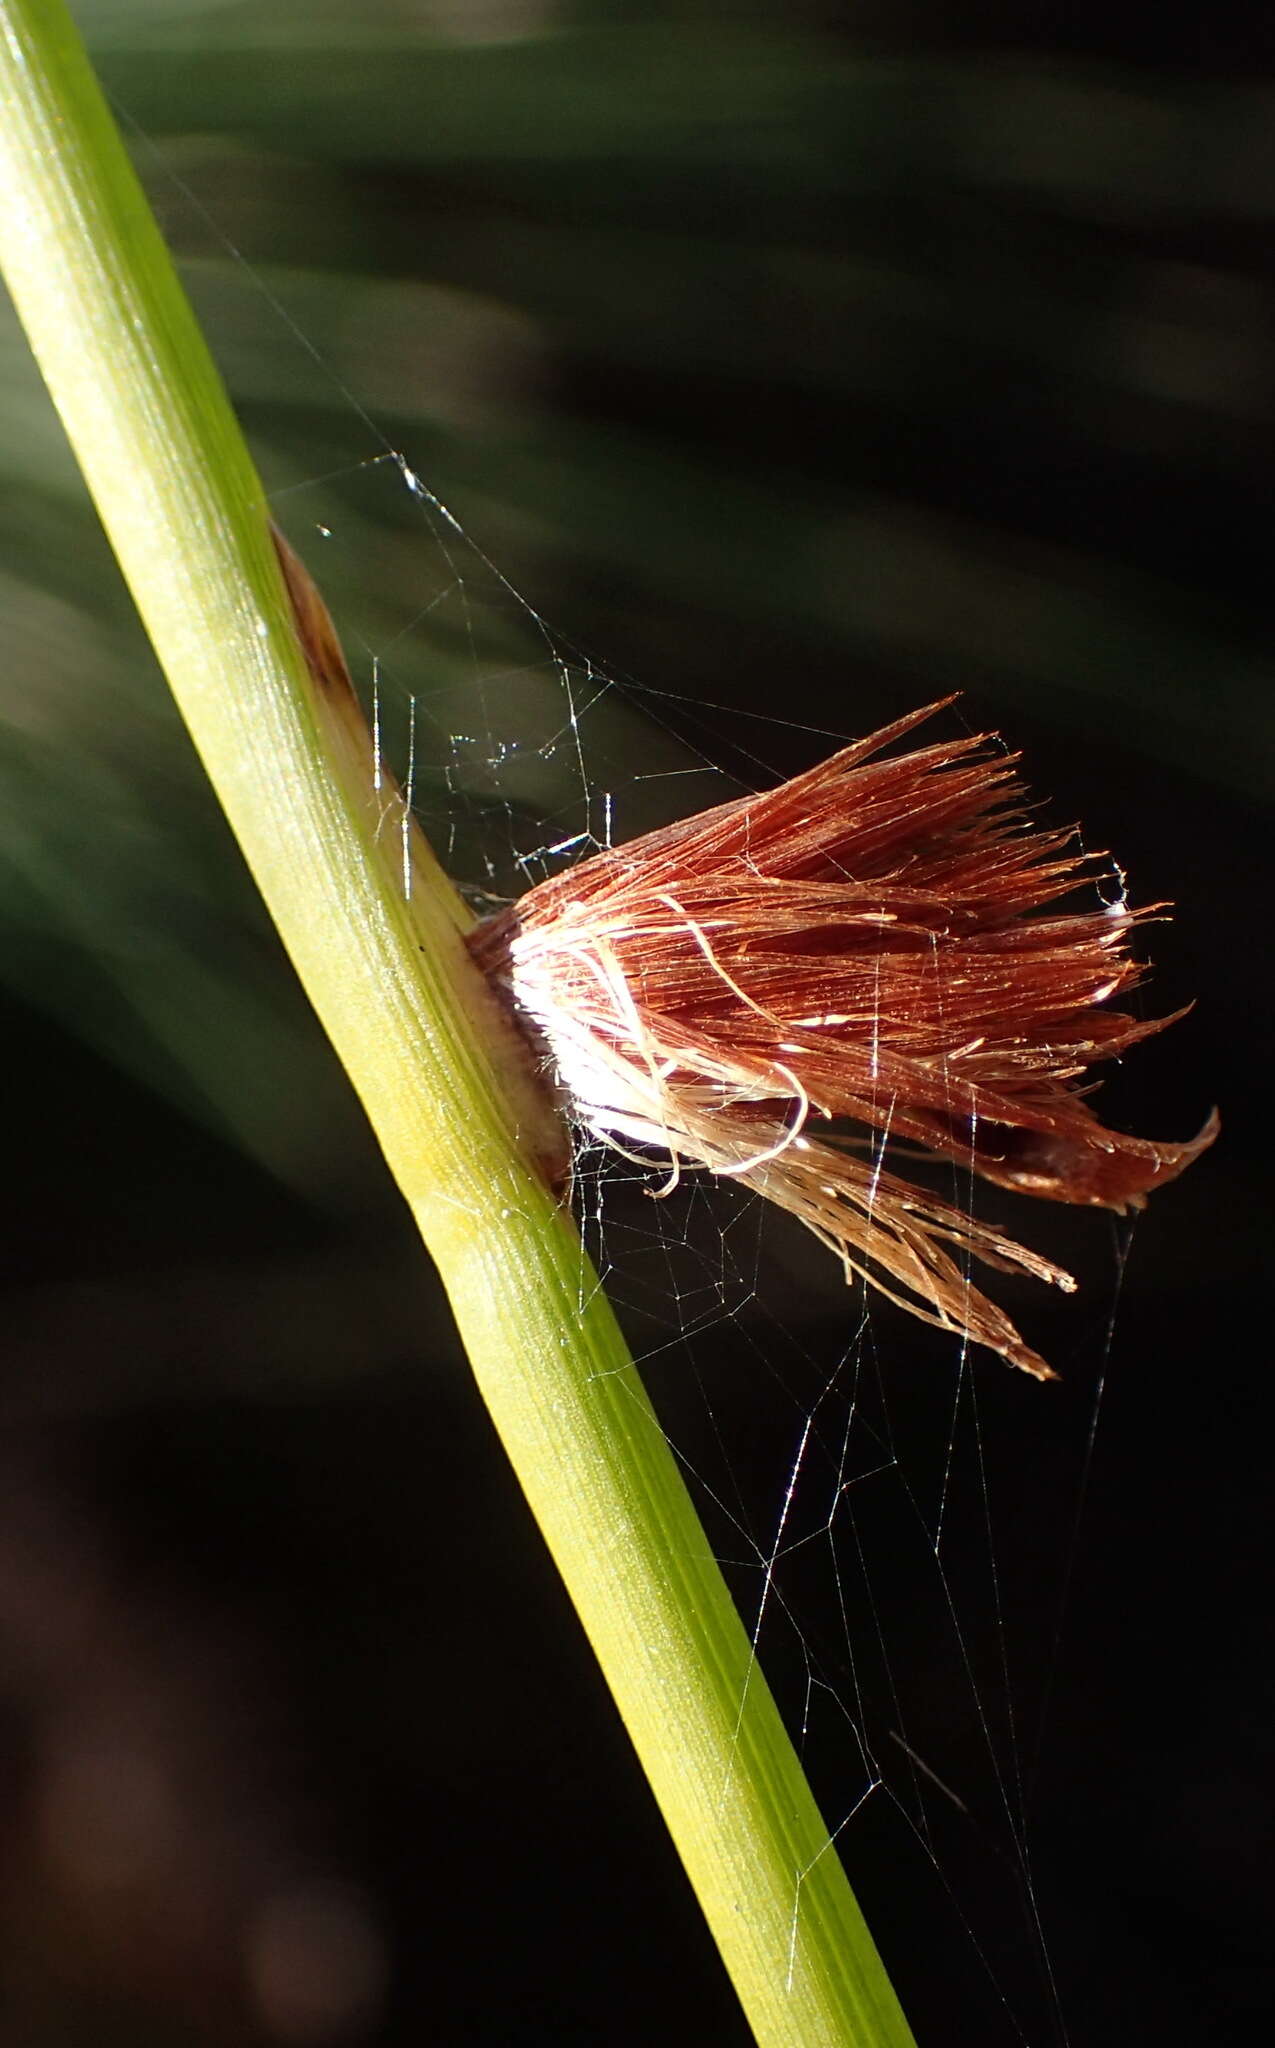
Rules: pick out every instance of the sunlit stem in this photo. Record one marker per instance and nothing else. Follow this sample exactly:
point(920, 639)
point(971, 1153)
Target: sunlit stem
point(423, 1043)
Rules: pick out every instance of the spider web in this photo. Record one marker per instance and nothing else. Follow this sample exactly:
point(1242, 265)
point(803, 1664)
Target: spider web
point(874, 1491)
point(897, 1515)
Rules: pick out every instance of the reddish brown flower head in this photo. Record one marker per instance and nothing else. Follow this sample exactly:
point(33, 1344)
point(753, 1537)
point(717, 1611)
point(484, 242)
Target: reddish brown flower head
point(874, 943)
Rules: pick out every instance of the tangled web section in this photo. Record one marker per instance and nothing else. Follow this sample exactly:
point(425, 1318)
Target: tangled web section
point(896, 1516)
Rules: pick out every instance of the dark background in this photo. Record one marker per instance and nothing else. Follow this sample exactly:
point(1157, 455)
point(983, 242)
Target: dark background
point(799, 362)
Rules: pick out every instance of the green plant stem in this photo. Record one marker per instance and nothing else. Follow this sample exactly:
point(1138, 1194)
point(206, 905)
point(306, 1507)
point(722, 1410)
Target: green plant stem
point(423, 1042)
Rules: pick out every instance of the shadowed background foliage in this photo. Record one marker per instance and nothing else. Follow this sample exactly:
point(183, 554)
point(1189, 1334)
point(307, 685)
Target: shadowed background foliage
point(796, 361)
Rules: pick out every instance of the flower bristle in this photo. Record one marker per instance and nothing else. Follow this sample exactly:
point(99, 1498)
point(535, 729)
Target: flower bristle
point(871, 943)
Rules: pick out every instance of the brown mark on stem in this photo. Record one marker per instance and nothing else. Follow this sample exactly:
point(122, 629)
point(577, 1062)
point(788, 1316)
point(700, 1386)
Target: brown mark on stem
point(540, 1131)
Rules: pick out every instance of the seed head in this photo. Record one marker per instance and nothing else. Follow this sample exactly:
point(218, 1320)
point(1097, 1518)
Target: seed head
point(879, 949)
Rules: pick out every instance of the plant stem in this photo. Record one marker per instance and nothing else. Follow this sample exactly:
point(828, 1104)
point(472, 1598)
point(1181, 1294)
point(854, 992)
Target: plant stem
point(423, 1041)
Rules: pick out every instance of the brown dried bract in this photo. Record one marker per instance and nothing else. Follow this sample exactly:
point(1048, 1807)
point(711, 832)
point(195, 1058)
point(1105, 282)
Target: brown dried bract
point(872, 941)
